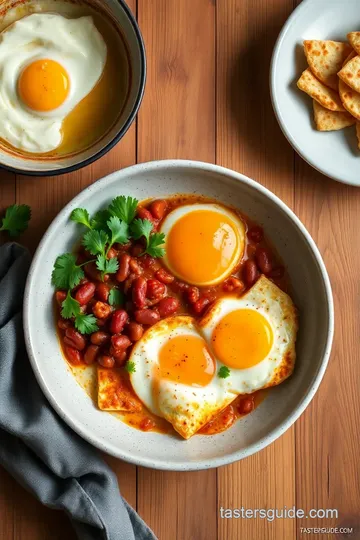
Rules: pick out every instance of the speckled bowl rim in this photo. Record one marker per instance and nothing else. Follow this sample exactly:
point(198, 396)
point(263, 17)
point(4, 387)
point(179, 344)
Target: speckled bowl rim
point(120, 134)
point(200, 464)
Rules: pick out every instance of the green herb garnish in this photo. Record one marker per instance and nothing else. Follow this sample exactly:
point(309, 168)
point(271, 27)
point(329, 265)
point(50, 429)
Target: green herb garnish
point(224, 372)
point(16, 219)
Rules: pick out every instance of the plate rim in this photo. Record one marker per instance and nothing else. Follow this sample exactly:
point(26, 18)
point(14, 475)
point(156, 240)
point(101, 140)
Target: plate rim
point(81, 428)
point(274, 101)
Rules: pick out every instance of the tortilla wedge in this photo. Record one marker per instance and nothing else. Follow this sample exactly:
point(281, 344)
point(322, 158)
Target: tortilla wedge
point(348, 58)
point(350, 74)
point(326, 120)
point(358, 133)
point(325, 59)
point(329, 99)
point(350, 99)
point(354, 40)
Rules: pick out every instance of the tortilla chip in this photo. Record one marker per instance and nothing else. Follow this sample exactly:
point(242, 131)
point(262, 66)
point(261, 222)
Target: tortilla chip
point(358, 133)
point(350, 74)
point(350, 99)
point(115, 393)
point(354, 40)
point(326, 120)
point(348, 58)
point(325, 58)
point(329, 99)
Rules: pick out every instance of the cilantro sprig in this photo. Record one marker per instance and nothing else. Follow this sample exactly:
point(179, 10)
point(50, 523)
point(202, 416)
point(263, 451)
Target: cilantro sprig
point(116, 224)
point(16, 219)
point(70, 308)
point(130, 367)
point(224, 372)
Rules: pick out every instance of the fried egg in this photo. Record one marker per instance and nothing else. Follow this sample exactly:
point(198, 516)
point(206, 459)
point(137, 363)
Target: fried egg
point(204, 243)
point(48, 65)
point(178, 360)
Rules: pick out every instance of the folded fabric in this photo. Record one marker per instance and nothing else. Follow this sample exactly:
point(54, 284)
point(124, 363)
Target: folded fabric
point(62, 470)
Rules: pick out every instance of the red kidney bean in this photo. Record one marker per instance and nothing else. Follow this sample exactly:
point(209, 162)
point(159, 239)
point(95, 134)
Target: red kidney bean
point(74, 339)
point(106, 361)
point(277, 273)
point(263, 260)
point(93, 272)
point(143, 213)
point(101, 322)
point(146, 424)
point(134, 331)
point(112, 253)
point(201, 304)
point(168, 306)
point(120, 342)
point(192, 295)
point(155, 289)
point(101, 310)
point(164, 276)
point(124, 268)
point(81, 283)
point(158, 208)
point(119, 355)
point(210, 294)
point(73, 355)
point(102, 292)
point(146, 316)
point(256, 234)
point(139, 289)
point(122, 247)
point(85, 293)
point(118, 321)
point(149, 262)
point(135, 267)
point(128, 283)
point(99, 338)
point(91, 354)
point(137, 250)
point(250, 272)
point(63, 324)
point(246, 405)
point(233, 284)
point(179, 286)
point(60, 296)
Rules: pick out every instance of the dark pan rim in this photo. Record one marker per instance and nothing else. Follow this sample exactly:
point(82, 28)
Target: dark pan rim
point(124, 128)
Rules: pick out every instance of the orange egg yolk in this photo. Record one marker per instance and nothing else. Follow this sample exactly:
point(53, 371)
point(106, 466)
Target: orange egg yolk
point(185, 359)
point(242, 339)
point(202, 246)
point(44, 85)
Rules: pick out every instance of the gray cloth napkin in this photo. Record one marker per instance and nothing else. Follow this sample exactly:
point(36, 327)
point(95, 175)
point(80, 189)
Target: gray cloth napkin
point(36, 446)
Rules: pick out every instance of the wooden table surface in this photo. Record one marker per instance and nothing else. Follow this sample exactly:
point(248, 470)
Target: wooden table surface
point(207, 98)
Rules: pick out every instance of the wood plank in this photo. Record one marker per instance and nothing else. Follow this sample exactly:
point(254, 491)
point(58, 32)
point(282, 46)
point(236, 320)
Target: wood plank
point(249, 140)
point(328, 433)
point(177, 120)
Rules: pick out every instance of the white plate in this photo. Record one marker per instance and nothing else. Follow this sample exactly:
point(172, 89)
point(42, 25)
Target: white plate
point(333, 153)
point(312, 294)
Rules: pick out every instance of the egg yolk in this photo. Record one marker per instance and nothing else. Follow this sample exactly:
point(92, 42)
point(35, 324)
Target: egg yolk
point(202, 246)
point(44, 85)
point(185, 359)
point(242, 339)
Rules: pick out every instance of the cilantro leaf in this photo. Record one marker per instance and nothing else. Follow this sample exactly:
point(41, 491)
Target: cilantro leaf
point(124, 208)
point(66, 273)
point(86, 324)
point(95, 241)
point(107, 266)
point(16, 219)
point(80, 215)
point(224, 372)
point(130, 367)
point(116, 297)
point(141, 227)
point(119, 231)
point(99, 221)
point(155, 241)
point(70, 307)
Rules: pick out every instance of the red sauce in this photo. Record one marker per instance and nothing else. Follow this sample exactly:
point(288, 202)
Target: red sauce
point(101, 347)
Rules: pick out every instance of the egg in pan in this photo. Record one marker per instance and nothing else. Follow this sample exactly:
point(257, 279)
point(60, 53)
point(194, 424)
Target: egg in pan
point(180, 363)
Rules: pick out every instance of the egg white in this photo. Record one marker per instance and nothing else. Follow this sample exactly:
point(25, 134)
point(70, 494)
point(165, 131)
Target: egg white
point(76, 44)
point(180, 212)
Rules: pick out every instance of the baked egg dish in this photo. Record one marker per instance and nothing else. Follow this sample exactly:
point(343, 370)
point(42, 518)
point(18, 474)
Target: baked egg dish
point(180, 309)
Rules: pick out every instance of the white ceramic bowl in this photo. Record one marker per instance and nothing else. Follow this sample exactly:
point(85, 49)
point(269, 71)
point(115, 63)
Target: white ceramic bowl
point(333, 153)
point(119, 13)
point(311, 292)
